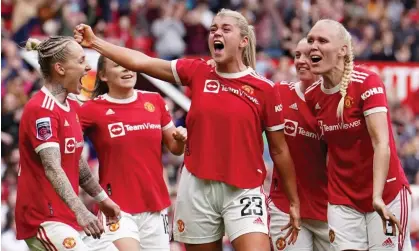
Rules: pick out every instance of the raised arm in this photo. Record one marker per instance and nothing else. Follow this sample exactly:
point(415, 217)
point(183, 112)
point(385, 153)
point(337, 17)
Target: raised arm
point(130, 59)
point(91, 186)
point(51, 161)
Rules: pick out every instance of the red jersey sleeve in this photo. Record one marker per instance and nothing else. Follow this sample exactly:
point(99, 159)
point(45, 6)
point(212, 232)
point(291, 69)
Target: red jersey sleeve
point(86, 116)
point(273, 115)
point(373, 95)
point(184, 70)
point(166, 118)
point(42, 128)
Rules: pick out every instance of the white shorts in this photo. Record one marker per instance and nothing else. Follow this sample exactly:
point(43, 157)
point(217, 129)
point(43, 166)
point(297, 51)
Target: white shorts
point(350, 229)
point(314, 234)
point(56, 236)
point(150, 229)
point(205, 209)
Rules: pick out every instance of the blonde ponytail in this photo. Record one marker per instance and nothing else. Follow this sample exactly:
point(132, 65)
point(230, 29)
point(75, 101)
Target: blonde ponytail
point(346, 78)
point(246, 30)
point(32, 44)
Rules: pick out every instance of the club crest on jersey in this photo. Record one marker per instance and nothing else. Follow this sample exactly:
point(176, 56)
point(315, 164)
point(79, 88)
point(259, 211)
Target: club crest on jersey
point(290, 127)
point(331, 236)
point(43, 128)
point(349, 101)
point(116, 129)
point(149, 107)
point(248, 89)
point(114, 227)
point(69, 242)
point(212, 86)
point(180, 226)
point(281, 243)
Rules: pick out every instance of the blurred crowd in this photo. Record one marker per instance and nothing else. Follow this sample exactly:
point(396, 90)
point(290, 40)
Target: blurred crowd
point(385, 30)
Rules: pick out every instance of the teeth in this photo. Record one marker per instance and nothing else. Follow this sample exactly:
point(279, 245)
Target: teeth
point(315, 57)
point(217, 42)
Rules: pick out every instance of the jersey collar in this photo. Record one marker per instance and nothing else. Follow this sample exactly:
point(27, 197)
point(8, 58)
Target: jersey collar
point(121, 101)
point(329, 91)
point(65, 107)
point(236, 74)
point(300, 94)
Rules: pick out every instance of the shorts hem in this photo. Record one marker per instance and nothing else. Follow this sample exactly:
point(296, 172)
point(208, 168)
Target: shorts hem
point(349, 246)
point(236, 235)
point(126, 236)
point(197, 240)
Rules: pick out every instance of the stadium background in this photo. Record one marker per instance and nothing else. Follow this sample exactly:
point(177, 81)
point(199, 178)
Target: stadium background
point(385, 34)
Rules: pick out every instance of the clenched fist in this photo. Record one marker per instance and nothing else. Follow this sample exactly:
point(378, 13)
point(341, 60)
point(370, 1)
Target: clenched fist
point(180, 134)
point(84, 35)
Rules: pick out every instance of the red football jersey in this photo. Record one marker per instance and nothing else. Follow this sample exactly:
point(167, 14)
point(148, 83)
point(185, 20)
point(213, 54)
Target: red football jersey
point(228, 115)
point(308, 152)
point(127, 136)
point(350, 167)
point(46, 123)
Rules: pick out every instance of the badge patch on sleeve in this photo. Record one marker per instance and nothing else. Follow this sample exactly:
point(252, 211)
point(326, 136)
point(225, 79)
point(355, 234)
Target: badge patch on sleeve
point(43, 128)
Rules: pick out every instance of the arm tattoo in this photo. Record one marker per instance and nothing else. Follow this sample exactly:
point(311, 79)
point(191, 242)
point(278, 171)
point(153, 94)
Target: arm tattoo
point(87, 180)
point(51, 160)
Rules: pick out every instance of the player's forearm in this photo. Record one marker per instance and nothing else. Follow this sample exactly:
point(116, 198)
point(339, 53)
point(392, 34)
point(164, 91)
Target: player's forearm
point(381, 165)
point(87, 181)
point(51, 160)
point(130, 59)
point(285, 166)
point(177, 147)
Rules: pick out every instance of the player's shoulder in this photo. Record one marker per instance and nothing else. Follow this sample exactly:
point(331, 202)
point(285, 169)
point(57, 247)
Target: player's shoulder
point(40, 101)
point(260, 81)
point(198, 62)
point(360, 75)
point(286, 86)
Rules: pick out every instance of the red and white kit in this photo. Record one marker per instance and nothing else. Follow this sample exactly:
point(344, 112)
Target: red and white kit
point(308, 152)
point(224, 168)
point(42, 217)
point(127, 136)
point(352, 221)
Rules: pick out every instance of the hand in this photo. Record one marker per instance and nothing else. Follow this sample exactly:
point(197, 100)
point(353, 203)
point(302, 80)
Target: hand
point(211, 63)
point(381, 209)
point(180, 134)
point(111, 210)
point(294, 225)
point(84, 35)
point(90, 224)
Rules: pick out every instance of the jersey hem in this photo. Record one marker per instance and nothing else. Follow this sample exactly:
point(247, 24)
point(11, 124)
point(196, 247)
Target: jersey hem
point(46, 145)
point(375, 110)
point(275, 128)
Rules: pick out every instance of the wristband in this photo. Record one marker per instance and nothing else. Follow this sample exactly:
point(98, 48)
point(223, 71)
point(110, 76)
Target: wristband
point(101, 196)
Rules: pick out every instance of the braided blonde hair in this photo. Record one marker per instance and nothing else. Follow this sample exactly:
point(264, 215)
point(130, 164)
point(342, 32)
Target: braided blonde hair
point(50, 51)
point(246, 30)
point(348, 63)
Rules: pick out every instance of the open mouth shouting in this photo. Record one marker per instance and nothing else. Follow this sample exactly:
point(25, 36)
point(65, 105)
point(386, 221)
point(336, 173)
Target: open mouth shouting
point(218, 46)
point(315, 59)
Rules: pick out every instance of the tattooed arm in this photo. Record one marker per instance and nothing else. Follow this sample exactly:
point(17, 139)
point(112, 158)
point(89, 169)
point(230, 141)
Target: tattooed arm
point(87, 180)
point(51, 160)
point(92, 187)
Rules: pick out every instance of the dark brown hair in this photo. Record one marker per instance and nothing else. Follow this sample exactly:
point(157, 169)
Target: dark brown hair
point(101, 87)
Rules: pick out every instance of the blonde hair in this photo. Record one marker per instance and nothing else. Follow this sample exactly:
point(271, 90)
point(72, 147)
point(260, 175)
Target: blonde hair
point(246, 30)
point(50, 51)
point(348, 63)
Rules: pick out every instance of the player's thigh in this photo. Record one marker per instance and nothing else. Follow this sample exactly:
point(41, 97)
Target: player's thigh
point(154, 231)
point(124, 235)
point(320, 231)
point(347, 228)
point(56, 236)
point(246, 218)
point(378, 240)
point(195, 219)
point(278, 220)
point(213, 246)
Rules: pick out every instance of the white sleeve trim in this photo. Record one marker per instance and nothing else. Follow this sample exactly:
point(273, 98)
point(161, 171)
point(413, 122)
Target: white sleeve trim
point(46, 145)
point(170, 124)
point(174, 71)
point(275, 128)
point(375, 110)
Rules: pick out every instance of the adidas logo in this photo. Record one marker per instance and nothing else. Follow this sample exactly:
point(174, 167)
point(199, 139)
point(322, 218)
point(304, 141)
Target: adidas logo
point(294, 106)
point(388, 243)
point(66, 123)
point(259, 221)
point(109, 112)
point(317, 107)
